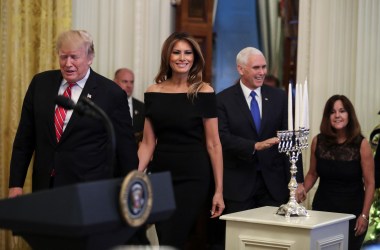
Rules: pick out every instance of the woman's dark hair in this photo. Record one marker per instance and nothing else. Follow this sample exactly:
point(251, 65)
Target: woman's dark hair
point(195, 74)
point(353, 127)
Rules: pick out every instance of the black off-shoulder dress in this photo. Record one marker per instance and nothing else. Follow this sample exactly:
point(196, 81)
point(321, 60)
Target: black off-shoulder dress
point(178, 125)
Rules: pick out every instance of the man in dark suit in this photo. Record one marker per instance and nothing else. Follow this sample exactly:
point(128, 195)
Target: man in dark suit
point(125, 78)
point(69, 148)
point(255, 173)
point(376, 132)
point(377, 167)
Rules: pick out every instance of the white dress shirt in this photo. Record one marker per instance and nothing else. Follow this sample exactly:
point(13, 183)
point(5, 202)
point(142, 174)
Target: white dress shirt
point(248, 98)
point(130, 104)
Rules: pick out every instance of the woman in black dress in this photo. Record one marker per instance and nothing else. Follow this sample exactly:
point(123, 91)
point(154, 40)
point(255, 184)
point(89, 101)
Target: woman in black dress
point(342, 159)
point(181, 136)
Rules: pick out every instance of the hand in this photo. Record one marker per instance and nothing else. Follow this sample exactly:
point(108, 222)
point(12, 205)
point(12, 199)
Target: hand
point(267, 143)
point(300, 193)
point(361, 225)
point(14, 192)
point(217, 205)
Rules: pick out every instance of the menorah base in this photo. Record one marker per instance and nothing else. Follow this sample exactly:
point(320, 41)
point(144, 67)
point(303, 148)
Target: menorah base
point(292, 208)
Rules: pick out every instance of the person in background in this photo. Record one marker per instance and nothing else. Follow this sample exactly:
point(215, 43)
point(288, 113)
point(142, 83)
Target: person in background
point(377, 166)
point(125, 78)
point(374, 133)
point(69, 148)
point(271, 80)
point(250, 114)
point(181, 117)
point(342, 160)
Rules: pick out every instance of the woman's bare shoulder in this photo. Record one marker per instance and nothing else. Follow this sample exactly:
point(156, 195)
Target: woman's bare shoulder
point(206, 88)
point(153, 88)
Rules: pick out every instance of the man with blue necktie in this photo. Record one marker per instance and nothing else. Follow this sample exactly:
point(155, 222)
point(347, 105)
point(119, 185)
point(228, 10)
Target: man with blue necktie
point(250, 114)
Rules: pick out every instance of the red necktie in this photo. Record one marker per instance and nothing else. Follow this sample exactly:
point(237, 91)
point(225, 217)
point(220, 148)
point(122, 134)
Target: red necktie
point(60, 114)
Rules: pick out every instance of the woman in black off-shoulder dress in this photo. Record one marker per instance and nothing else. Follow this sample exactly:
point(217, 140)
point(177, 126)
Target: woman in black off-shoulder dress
point(181, 136)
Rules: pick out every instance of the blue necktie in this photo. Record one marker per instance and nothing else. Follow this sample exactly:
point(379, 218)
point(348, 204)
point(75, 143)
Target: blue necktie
point(255, 111)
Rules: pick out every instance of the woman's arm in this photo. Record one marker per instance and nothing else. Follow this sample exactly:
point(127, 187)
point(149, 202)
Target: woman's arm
point(368, 169)
point(311, 176)
point(147, 145)
point(214, 149)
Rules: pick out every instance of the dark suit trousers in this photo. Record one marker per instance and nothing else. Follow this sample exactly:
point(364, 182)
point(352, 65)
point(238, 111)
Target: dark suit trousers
point(259, 198)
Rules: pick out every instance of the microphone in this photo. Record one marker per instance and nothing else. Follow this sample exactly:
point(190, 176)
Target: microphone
point(64, 102)
point(87, 107)
point(80, 107)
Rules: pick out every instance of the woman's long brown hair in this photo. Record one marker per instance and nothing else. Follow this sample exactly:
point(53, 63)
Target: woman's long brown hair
point(353, 127)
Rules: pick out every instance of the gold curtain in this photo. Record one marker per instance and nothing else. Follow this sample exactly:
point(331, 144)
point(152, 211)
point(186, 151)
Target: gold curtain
point(28, 30)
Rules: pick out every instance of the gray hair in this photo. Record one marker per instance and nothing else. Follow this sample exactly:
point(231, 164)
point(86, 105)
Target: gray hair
point(243, 55)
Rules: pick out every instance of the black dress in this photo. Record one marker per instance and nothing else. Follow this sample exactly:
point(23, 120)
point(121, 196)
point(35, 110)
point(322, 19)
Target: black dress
point(178, 125)
point(341, 188)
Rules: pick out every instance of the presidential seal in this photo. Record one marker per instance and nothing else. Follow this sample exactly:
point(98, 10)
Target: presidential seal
point(136, 198)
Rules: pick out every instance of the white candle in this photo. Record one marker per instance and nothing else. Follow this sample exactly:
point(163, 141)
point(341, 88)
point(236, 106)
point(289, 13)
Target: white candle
point(290, 108)
point(305, 99)
point(300, 107)
point(296, 109)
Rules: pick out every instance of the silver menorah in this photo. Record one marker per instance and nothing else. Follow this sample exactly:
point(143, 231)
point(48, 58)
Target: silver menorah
point(292, 142)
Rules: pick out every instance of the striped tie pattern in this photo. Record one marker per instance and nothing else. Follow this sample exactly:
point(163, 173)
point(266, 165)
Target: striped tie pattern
point(60, 114)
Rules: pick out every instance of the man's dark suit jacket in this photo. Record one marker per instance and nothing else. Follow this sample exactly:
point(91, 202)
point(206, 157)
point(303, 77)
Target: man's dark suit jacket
point(82, 154)
point(138, 115)
point(377, 167)
point(238, 136)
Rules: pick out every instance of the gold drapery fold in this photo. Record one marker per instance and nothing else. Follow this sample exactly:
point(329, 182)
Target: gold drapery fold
point(28, 31)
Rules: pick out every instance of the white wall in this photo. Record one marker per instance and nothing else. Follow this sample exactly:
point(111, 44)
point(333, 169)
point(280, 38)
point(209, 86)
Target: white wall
point(126, 33)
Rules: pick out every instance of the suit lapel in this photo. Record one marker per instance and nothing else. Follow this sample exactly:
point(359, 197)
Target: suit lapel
point(136, 109)
point(52, 92)
point(243, 107)
point(266, 103)
point(89, 90)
